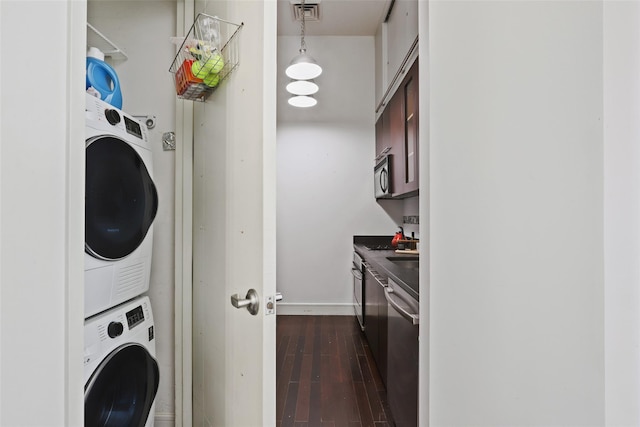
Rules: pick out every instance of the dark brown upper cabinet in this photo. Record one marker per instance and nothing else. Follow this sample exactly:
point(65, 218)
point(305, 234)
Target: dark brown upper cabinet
point(397, 135)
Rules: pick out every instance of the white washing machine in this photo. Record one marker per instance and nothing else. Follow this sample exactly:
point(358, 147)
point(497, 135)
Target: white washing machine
point(120, 370)
point(121, 202)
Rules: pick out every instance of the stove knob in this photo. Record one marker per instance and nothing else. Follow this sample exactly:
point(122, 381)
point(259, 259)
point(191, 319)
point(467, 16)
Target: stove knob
point(112, 116)
point(115, 329)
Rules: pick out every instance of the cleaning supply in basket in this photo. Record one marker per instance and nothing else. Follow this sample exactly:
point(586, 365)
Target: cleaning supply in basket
point(102, 80)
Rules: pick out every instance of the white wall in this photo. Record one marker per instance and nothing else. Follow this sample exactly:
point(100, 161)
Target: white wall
point(142, 29)
point(516, 232)
point(42, 214)
point(325, 176)
point(622, 212)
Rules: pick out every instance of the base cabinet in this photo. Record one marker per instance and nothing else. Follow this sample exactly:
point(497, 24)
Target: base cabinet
point(375, 326)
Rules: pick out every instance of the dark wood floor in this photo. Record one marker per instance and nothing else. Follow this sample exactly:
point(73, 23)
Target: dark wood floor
point(326, 375)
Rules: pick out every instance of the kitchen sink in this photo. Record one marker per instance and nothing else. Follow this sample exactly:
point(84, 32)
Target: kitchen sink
point(405, 262)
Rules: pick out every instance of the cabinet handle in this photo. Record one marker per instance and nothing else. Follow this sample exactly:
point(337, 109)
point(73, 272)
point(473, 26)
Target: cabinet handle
point(382, 153)
point(377, 277)
point(384, 285)
point(413, 318)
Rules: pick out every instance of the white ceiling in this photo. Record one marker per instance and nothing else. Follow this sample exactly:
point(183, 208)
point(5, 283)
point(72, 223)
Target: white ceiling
point(337, 18)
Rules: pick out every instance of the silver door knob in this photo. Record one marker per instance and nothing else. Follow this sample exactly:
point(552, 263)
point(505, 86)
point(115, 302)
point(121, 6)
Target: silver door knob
point(250, 301)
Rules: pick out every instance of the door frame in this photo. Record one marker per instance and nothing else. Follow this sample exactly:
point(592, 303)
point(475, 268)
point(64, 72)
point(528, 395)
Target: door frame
point(184, 242)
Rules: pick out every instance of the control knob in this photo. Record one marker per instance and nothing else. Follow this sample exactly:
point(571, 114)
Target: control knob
point(112, 116)
point(115, 329)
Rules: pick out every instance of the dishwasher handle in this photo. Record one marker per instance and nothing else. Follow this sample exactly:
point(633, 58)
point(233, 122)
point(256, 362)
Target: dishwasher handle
point(413, 318)
point(356, 273)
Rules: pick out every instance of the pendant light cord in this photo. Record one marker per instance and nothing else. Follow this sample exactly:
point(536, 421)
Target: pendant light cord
point(303, 45)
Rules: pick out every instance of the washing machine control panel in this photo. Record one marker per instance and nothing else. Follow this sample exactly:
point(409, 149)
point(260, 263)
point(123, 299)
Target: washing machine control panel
point(104, 117)
point(135, 316)
point(128, 323)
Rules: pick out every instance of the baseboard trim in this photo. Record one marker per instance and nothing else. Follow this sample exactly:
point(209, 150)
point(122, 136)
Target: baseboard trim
point(297, 309)
point(164, 420)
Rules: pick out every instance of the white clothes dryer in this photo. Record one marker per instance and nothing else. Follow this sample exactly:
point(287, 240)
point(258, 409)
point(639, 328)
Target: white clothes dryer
point(121, 202)
point(120, 370)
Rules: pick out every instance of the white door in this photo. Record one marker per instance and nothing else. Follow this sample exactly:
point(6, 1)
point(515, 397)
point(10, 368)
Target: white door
point(232, 364)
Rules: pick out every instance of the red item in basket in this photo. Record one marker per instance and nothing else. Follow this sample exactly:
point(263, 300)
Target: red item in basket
point(184, 77)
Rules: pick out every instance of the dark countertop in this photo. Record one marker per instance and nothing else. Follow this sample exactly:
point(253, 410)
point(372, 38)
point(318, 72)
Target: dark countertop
point(407, 278)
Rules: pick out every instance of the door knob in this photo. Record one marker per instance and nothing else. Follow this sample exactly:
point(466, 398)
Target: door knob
point(250, 301)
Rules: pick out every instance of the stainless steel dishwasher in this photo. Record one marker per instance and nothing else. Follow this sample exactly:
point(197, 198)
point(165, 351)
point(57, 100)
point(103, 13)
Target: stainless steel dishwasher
point(402, 363)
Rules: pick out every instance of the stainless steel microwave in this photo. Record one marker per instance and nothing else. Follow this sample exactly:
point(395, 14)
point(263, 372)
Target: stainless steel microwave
point(382, 178)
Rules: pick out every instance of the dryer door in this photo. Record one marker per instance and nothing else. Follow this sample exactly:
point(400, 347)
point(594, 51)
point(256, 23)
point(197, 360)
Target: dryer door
point(121, 200)
point(121, 390)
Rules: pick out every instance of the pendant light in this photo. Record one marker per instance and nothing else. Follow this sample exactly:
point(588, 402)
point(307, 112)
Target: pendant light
point(302, 87)
point(303, 66)
point(302, 101)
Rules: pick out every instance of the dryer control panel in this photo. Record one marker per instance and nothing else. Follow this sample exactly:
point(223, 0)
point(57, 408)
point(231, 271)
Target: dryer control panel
point(103, 116)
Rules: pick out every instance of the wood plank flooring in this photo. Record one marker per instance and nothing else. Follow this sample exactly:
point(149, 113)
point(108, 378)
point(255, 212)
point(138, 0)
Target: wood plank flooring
point(326, 375)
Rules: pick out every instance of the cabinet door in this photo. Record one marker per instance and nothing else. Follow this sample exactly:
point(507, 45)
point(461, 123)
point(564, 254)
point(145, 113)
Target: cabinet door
point(410, 115)
point(379, 135)
point(395, 111)
point(376, 322)
point(382, 334)
point(401, 32)
point(403, 111)
point(371, 329)
point(383, 140)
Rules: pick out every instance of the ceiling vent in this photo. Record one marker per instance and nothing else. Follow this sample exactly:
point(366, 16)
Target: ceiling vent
point(311, 10)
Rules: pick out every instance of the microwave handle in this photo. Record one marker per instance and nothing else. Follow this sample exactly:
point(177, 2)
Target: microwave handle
point(384, 181)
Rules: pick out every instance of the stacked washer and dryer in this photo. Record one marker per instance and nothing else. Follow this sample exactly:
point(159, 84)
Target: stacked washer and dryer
point(121, 201)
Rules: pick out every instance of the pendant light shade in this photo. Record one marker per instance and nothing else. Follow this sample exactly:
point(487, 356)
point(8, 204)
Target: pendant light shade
point(302, 87)
point(303, 67)
point(302, 101)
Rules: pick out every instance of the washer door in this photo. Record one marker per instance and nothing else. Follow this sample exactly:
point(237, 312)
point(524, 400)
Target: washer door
point(121, 200)
point(121, 390)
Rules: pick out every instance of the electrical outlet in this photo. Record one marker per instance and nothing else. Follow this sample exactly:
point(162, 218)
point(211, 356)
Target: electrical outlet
point(411, 219)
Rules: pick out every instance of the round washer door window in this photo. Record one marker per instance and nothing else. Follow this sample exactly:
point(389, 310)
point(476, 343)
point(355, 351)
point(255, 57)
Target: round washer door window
point(121, 200)
point(121, 390)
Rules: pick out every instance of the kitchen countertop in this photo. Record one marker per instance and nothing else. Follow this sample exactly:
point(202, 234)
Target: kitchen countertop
point(407, 278)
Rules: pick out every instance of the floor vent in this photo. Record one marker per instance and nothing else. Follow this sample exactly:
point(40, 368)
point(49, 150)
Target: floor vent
point(311, 11)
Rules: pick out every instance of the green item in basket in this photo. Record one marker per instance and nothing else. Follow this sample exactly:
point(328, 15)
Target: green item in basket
point(212, 80)
point(214, 65)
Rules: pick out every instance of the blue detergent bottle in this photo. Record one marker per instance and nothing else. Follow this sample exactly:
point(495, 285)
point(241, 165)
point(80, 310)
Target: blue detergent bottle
point(102, 78)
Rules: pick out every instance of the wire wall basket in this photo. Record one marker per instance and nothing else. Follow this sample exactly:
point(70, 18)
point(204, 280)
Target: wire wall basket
point(207, 55)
